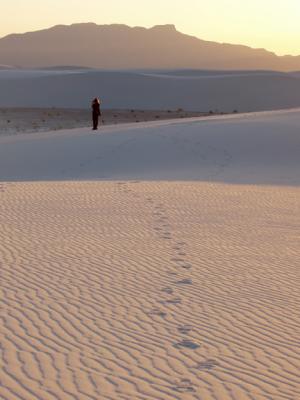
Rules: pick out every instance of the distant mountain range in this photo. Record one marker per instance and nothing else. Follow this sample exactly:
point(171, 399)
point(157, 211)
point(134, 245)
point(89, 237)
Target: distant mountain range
point(123, 47)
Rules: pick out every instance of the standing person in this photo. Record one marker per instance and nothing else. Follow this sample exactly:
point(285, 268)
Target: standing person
point(96, 113)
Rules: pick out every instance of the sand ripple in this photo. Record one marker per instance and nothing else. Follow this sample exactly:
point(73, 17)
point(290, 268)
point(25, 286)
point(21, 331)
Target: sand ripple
point(144, 291)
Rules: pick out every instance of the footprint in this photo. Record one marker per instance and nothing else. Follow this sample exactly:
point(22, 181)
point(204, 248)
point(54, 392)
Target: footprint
point(184, 282)
point(168, 290)
point(185, 329)
point(158, 312)
point(186, 344)
point(207, 365)
point(176, 300)
point(184, 386)
point(177, 260)
point(185, 266)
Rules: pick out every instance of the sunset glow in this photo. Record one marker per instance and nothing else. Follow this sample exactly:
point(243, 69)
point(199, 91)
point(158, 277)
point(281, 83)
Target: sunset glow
point(259, 23)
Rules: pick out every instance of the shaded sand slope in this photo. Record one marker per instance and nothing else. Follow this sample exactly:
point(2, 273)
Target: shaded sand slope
point(191, 89)
point(253, 148)
point(152, 289)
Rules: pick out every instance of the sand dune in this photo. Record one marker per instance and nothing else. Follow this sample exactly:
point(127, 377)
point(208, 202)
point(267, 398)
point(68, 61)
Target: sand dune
point(251, 148)
point(6, 67)
point(152, 289)
point(14, 121)
point(158, 90)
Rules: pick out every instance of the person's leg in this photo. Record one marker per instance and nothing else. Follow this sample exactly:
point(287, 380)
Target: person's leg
point(95, 122)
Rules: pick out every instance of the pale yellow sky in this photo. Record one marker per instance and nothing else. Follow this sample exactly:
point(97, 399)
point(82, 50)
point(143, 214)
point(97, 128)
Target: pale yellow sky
point(272, 24)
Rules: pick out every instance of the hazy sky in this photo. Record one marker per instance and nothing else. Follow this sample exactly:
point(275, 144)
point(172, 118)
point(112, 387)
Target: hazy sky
point(272, 24)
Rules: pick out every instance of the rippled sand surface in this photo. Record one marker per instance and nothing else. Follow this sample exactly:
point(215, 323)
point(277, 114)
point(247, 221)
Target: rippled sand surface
point(152, 262)
point(149, 290)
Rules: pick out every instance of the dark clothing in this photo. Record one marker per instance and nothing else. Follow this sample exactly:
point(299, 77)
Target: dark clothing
point(96, 114)
point(95, 121)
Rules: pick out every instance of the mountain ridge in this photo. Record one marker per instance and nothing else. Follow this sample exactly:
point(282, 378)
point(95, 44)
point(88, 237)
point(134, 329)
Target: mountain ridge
point(118, 46)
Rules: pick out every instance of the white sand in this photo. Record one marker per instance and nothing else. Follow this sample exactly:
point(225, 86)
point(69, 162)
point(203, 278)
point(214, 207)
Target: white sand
point(252, 148)
point(27, 120)
point(143, 288)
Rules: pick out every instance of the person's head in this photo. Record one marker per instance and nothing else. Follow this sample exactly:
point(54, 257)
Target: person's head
point(96, 100)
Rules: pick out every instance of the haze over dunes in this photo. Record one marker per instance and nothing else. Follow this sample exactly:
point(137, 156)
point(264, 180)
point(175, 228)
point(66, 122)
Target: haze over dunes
point(195, 90)
point(120, 46)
